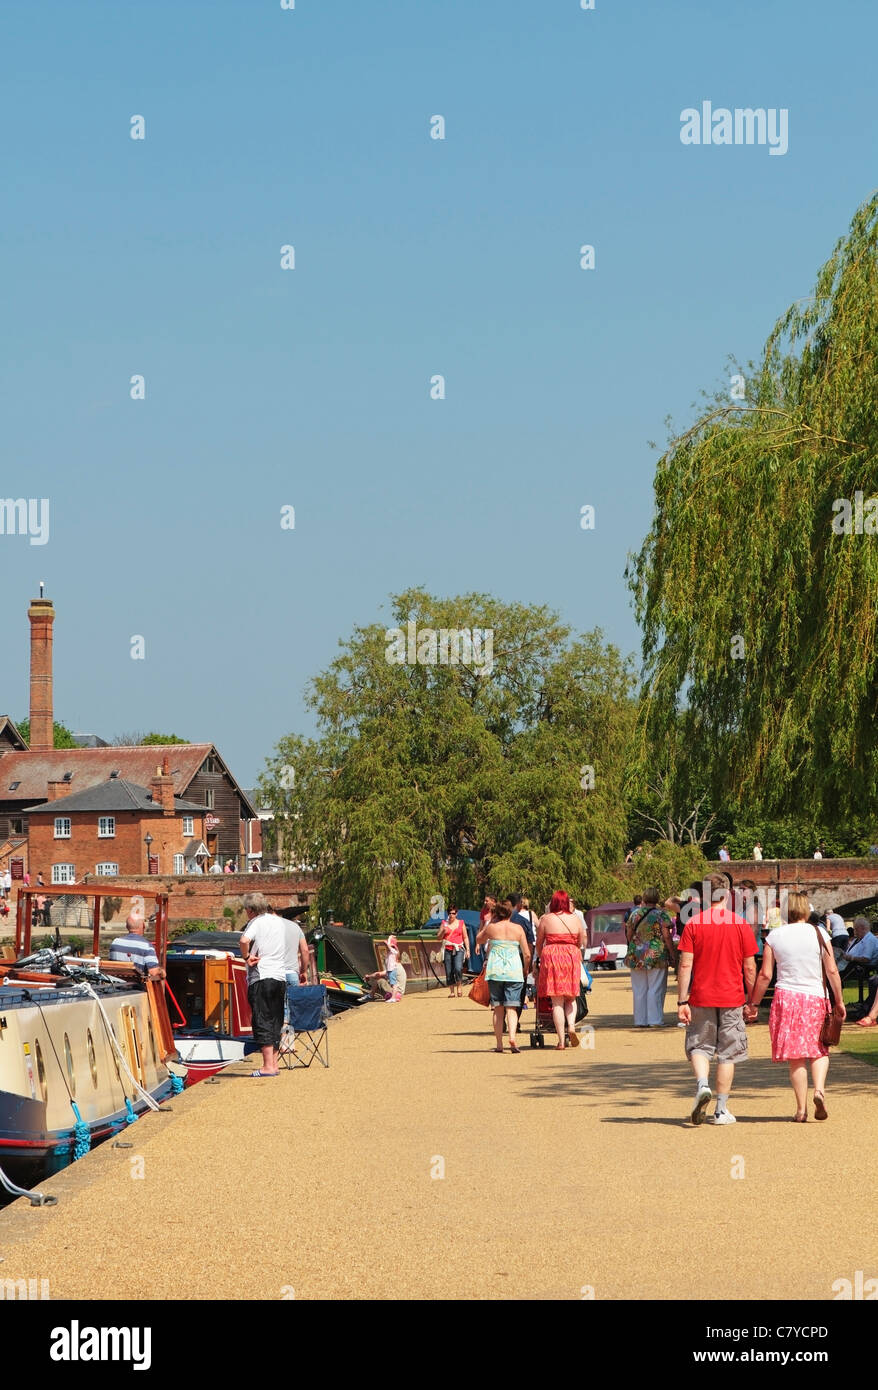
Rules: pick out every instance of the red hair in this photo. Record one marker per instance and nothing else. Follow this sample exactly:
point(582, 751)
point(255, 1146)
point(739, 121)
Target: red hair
point(560, 902)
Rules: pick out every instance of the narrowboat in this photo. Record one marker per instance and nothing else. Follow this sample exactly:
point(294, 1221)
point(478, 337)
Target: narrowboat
point(86, 1045)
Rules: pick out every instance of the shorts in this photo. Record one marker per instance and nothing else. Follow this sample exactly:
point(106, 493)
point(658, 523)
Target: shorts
point(266, 999)
point(720, 1033)
point(392, 978)
point(505, 994)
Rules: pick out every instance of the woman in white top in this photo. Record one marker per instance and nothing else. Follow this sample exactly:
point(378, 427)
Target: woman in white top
point(802, 953)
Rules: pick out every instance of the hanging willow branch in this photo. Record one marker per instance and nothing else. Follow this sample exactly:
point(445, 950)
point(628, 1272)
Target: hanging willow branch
point(758, 618)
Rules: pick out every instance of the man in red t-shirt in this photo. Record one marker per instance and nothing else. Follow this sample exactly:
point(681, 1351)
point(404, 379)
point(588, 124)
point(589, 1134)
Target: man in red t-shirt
point(720, 950)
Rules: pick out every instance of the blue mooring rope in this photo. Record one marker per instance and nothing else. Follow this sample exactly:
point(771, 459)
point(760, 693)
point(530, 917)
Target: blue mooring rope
point(130, 1116)
point(81, 1134)
point(177, 1084)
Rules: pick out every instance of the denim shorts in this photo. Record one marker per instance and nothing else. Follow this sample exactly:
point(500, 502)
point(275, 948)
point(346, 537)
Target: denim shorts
point(392, 978)
point(505, 993)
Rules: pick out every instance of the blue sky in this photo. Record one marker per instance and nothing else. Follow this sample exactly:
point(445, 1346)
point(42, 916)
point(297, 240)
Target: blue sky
point(414, 256)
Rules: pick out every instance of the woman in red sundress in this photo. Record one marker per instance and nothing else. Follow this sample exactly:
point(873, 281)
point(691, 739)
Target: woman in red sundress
point(802, 953)
point(560, 939)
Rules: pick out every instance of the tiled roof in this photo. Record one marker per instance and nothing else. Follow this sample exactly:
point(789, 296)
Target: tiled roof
point(7, 727)
point(92, 766)
point(113, 795)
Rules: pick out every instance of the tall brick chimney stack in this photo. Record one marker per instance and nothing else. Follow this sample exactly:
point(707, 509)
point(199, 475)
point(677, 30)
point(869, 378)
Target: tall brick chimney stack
point(42, 729)
point(162, 786)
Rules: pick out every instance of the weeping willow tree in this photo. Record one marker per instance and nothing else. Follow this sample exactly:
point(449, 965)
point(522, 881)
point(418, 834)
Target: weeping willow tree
point(758, 611)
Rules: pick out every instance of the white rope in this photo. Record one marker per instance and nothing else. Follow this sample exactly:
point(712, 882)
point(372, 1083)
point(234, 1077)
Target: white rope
point(153, 1104)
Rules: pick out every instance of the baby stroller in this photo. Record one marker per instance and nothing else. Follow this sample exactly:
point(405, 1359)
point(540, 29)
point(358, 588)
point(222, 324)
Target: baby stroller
point(543, 1021)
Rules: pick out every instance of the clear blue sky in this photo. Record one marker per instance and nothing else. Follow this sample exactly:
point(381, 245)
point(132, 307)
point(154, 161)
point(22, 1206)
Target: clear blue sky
point(413, 257)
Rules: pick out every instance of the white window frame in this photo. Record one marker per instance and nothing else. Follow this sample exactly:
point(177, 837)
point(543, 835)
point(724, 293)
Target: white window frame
point(107, 870)
point(189, 826)
point(179, 864)
point(106, 827)
point(63, 873)
point(60, 832)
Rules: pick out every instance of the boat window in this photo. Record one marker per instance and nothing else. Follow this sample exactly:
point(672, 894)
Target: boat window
point(68, 1055)
point(41, 1070)
point(92, 1063)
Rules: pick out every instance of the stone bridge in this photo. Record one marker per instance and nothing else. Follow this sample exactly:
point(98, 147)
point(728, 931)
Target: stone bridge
point(847, 886)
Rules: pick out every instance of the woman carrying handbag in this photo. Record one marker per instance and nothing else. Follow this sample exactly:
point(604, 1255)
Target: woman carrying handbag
point(803, 1022)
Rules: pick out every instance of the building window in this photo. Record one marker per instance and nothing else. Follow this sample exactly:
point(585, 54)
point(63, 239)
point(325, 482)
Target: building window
point(179, 866)
point(63, 873)
point(208, 798)
point(107, 870)
point(62, 827)
point(106, 827)
point(210, 764)
point(189, 826)
point(16, 825)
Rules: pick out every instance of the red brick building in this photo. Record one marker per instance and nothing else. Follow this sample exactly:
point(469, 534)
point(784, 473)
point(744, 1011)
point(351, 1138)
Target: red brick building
point(33, 777)
point(109, 830)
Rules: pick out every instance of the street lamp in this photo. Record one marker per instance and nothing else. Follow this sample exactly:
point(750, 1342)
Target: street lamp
point(147, 840)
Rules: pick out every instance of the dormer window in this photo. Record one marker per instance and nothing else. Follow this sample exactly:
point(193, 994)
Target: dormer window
point(68, 777)
point(14, 786)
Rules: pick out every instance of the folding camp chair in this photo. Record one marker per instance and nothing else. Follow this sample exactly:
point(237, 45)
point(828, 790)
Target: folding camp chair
point(307, 1036)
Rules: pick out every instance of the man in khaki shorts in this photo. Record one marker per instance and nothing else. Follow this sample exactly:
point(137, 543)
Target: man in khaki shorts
point(717, 955)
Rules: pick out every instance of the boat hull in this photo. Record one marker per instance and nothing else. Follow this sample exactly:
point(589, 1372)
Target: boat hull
point(61, 1048)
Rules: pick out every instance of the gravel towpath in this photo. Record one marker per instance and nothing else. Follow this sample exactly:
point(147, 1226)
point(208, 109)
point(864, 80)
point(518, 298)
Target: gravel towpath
point(423, 1165)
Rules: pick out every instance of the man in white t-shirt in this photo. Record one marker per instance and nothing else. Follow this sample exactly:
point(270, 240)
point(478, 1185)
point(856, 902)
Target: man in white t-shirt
point(264, 947)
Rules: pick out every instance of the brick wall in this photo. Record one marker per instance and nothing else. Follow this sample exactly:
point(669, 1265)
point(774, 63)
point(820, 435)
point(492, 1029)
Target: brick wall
point(202, 897)
point(85, 848)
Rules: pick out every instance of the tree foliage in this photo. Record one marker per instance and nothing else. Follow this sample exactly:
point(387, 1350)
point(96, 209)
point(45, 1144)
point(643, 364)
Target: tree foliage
point(759, 621)
point(432, 779)
point(63, 738)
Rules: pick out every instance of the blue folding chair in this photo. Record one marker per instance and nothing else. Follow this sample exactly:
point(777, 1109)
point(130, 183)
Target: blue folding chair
point(307, 1036)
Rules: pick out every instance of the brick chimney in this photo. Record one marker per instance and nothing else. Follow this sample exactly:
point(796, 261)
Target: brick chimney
point(58, 789)
point(162, 788)
point(42, 730)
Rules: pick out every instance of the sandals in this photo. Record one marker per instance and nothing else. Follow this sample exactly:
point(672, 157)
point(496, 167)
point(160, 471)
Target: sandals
point(573, 1037)
point(800, 1119)
point(264, 1073)
point(820, 1111)
point(866, 1022)
point(513, 1048)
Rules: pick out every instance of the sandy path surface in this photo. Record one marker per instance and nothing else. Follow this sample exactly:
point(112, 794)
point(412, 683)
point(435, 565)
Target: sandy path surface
point(321, 1184)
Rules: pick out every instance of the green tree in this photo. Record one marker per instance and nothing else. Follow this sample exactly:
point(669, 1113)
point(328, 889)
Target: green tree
point(63, 738)
point(161, 738)
point(758, 617)
point(431, 778)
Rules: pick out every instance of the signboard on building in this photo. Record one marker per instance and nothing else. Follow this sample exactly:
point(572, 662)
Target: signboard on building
point(16, 868)
point(211, 822)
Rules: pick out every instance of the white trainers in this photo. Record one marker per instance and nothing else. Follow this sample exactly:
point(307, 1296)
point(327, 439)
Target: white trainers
point(703, 1097)
point(725, 1117)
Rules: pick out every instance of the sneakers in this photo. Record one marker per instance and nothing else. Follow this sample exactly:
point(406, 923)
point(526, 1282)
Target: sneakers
point(725, 1117)
point(703, 1097)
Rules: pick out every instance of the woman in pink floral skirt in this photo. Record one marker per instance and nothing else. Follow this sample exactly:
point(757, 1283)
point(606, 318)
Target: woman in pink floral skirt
point(802, 952)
